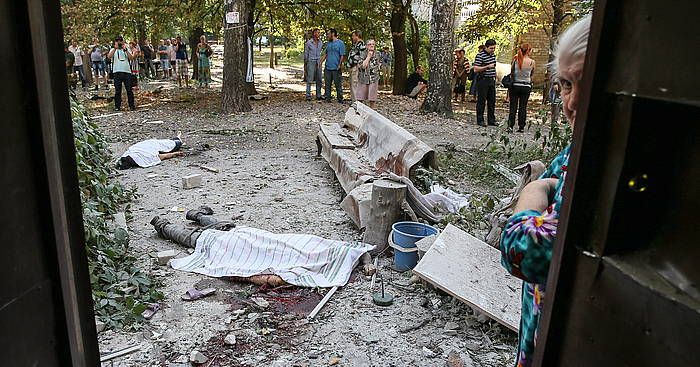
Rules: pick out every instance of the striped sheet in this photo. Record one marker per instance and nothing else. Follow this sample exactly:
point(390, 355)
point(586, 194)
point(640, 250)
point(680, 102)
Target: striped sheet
point(300, 259)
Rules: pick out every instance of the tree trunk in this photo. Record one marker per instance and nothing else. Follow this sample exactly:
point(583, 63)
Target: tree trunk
point(250, 86)
point(193, 39)
point(558, 15)
point(271, 42)
point(385, 210)
point(439, 98)
point(398, 39)
point(415, 40)
point(233, 91)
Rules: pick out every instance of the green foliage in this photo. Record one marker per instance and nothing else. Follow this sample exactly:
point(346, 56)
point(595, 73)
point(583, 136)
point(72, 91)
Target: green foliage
point(119, 288)
point(501, 19)
point(549, 139)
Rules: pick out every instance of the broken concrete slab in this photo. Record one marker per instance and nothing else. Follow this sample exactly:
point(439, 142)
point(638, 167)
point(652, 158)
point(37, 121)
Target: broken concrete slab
point(165, 256)
point(470, 270)
point(357, 204)
point(387, 145)
point(191, 181)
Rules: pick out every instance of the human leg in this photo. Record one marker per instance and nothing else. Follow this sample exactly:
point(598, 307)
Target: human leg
point(522, 107)
point(481, 91)
point(319, 79)
point(204, 217)
point(353, 83)
point(513, 107)
point(128, 85)
point(337, 78)
point(81, 74)
point(491, 100)
point(118, 81)
point(310, 76)
point(329, 81)
point(179, 234)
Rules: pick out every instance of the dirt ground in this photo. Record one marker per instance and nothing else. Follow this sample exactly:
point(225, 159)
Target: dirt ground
point(270, 177)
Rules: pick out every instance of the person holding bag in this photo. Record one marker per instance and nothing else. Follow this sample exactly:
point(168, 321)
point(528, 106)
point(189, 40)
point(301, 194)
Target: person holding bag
point(521, 84)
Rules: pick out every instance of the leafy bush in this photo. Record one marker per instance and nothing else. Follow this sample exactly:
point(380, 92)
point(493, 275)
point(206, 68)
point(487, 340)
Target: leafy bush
point(119, 288)
point(549, 139)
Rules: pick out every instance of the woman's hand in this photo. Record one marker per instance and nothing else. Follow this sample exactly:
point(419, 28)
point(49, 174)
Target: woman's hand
point(535, 196)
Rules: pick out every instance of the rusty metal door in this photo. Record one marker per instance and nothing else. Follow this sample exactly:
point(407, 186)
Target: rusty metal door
point(624, 284)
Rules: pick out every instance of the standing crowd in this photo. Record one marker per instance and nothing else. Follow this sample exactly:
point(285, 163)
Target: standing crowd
point(366, 63)
point(126, 63)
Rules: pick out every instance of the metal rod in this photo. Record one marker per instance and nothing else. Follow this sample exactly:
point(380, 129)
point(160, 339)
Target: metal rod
point(323, 302)
point(376, 270)
point(120, 353)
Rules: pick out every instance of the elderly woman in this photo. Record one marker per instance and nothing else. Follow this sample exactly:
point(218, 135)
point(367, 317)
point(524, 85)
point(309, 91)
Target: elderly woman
point(368, 75)
point(526, 243)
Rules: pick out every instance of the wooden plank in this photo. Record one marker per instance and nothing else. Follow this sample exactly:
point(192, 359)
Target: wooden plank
point(470, 270)
point(333, 133)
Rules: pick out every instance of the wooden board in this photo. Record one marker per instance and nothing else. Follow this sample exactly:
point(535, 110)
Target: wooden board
point(470, 270)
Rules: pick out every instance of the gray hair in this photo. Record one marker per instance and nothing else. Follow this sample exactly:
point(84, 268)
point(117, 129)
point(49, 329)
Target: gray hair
point(571, 44)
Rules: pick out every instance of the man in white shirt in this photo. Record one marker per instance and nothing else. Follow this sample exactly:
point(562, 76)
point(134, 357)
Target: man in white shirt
point(173, 55)
point(78, 64)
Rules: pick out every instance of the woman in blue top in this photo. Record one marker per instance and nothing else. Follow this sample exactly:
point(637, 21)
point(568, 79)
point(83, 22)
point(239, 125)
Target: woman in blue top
point(526, 243)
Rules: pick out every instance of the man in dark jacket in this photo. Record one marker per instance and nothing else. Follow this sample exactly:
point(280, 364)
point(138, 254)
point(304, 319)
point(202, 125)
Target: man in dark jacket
point(415, 83)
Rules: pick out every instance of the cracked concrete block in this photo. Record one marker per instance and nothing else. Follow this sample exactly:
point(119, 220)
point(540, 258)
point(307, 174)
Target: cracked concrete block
point(191, 181)
point(165, 256)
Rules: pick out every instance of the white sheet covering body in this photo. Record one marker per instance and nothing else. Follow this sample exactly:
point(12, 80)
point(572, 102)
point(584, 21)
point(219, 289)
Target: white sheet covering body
point(145, 153)
point(299, 259)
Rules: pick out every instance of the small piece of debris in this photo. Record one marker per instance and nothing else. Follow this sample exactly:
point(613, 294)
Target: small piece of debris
point(333, 361)
point(165, 256)
point(230, 339)
point(261, 302)
point(197, 357)
point(191, 181)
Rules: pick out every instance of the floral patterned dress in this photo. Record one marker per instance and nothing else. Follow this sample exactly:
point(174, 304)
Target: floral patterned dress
point(526, 251)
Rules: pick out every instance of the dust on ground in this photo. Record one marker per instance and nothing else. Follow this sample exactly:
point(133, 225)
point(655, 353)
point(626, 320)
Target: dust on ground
point(270, 177)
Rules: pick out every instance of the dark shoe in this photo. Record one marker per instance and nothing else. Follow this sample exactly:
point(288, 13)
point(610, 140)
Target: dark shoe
point(96, 88)
point(481, 123)
point(133, 108)
point(158, 223)
point(319, 98)
point(493, 124)
point(521, 130)
point(117, 109)
point(194, 214)
point(308, 98)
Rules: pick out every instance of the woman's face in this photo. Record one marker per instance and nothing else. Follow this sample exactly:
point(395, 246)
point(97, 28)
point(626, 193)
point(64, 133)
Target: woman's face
point(370, 46)
point(570, 74)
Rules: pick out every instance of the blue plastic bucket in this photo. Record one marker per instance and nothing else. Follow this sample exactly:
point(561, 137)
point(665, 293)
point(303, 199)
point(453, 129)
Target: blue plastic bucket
point(405, 235)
